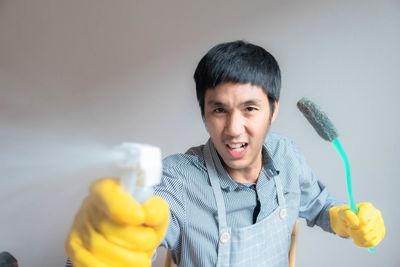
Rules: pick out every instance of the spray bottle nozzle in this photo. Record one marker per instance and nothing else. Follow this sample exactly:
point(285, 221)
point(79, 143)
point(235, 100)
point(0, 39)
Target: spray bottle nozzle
point(140, 168)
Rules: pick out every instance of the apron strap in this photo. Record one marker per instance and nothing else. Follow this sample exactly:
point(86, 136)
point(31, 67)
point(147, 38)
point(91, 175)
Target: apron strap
point(214, 180)
point(281, 199)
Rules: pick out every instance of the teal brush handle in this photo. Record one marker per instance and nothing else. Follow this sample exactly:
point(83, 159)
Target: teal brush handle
point(343, 155)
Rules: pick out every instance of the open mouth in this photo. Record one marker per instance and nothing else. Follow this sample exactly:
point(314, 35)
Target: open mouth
point(237, 147)
point(237, 150)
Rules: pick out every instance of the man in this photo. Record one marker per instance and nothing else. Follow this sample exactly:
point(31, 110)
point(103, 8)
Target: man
point(234, 200)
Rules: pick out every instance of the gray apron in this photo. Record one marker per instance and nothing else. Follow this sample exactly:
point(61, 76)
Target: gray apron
point(265, 243)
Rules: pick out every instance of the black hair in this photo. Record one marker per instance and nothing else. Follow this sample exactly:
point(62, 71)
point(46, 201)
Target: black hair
point(238, 62)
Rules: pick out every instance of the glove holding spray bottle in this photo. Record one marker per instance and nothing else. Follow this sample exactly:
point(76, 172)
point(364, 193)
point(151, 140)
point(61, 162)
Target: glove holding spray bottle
point(112, 227)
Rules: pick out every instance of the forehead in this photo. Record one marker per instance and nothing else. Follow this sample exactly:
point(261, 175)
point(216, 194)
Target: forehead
point(231, 93)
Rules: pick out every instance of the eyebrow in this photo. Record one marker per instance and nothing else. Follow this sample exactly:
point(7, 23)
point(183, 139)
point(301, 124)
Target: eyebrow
point(246, 103)
point(250, 102)
point(216, 103)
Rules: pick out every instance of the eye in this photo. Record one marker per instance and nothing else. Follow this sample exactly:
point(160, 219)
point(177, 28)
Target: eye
point(219, 110)
point(251, 109)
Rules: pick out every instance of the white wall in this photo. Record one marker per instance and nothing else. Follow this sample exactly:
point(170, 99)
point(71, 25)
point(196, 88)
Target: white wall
point(79, 76)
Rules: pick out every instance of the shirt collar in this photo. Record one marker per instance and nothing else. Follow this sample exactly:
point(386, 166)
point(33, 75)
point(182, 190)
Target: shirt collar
point(226, 182)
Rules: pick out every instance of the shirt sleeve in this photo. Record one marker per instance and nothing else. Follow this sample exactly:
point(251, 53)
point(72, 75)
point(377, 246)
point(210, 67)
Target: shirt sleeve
point(171, 189)
point(315, 200)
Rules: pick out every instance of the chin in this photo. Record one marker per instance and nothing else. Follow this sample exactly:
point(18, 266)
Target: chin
point(236, 164)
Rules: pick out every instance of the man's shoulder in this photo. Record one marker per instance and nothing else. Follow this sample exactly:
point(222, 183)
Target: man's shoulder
point(278, 141)
point(280, 146)
point(192, 158)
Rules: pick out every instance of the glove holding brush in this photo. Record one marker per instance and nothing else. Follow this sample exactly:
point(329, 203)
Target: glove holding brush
point(365, 227)
point(362, 222)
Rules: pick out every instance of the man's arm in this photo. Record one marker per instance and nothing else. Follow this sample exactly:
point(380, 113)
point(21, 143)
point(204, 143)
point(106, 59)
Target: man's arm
point(171, 188)
point(317, 206)
point(315, 200)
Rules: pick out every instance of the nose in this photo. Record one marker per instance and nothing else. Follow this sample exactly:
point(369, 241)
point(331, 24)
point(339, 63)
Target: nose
point(234, 125)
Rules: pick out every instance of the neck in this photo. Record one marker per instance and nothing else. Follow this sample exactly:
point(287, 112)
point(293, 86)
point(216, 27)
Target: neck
point(246, 175)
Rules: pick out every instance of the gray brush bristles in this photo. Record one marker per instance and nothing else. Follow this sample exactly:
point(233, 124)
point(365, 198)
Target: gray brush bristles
point(318, 119)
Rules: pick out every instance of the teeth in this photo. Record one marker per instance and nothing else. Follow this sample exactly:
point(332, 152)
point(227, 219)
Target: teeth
point(237, 147)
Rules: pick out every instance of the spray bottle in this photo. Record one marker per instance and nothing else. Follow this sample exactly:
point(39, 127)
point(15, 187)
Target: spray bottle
point(140, 168)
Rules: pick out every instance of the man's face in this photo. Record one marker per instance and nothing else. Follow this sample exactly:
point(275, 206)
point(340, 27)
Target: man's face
point(237, 117)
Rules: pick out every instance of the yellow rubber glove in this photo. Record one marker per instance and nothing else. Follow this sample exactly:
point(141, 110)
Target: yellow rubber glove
point(366, 228)
point(112, 229)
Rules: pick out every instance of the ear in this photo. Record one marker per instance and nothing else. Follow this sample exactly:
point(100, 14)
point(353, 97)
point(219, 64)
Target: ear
point(275, 111)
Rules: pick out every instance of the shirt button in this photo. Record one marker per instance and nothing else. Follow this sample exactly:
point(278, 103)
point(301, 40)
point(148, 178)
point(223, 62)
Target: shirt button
point(283, 213)
point(224, 237)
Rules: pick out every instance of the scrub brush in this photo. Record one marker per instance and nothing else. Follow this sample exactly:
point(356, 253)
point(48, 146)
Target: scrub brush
point(325, 128)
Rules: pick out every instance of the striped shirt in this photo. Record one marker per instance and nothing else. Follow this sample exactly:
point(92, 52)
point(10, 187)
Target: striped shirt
point(192, 235)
